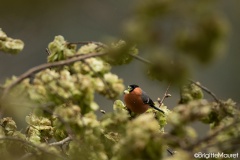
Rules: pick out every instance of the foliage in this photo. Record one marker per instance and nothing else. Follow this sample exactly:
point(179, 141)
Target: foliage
point(176, 34)
point(63, 123)
point(10, 45)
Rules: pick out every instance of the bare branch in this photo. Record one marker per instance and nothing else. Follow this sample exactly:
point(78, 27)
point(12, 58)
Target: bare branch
point(170, 151)
point(166, 95)
point(48, 52)
point(49, 65)
point(206, 90)
point(87, 42)
point(62, 142)
point(140, 59)
point(102, 111)
point(201, 86)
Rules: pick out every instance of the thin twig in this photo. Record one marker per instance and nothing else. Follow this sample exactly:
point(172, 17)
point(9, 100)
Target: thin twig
point(166, 95)
point(160, 101)
point(102, 111)
point(206, 90)
point(201, 86)
point(48, 52)
point(87, 42)
point(170, 151)
point(62, 142)
point(140, 58)
point(48, 65)
point(32, 145)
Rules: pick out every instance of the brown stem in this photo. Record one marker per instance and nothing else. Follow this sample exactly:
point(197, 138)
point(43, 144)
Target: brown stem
point(202, 87)
point(62, 142)
point(164, 96)
point(140, 59)
point(87, 42)
point(206, 90)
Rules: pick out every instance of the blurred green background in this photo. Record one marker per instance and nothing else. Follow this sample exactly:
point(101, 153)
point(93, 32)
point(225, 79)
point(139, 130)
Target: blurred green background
point(37, 22)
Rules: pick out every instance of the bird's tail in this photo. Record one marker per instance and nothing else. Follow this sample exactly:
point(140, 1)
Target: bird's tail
point(157, 108)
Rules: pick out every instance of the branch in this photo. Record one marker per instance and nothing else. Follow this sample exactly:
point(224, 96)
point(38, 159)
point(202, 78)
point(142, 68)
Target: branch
point(166, 95)
point(48, 52)
point(140, 58)
point(87, 42)
point(48, 65)
point(62, 142)
point(32, 145)
point(206, 90)
point(202, 87)
point(170, 151)
point(103, 111)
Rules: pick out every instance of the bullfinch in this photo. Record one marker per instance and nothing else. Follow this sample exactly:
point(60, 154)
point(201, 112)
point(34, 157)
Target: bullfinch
point(137, 100)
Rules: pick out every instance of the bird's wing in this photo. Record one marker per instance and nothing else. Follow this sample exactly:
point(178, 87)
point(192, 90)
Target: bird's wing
point(146, 99)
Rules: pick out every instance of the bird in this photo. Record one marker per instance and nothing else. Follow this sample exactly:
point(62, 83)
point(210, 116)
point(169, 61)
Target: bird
point(137, 100)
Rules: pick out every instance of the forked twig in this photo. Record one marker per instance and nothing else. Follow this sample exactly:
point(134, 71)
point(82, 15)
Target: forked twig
point(166, 95)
